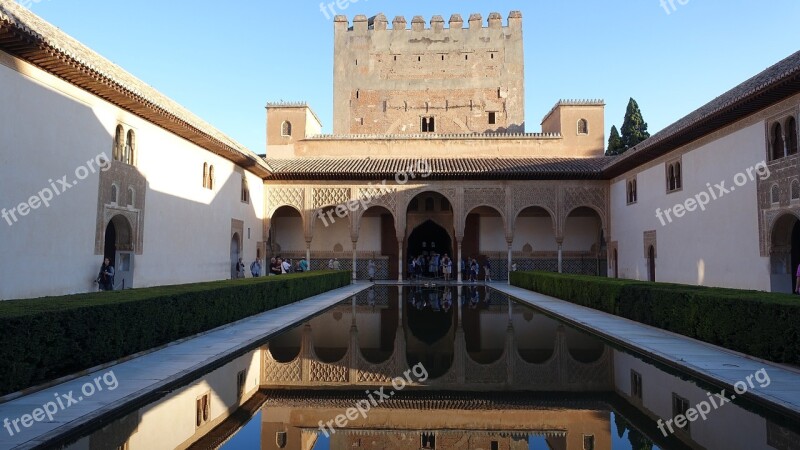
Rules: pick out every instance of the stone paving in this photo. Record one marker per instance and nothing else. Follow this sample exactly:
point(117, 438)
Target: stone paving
point(715, 364)
point(152, 372)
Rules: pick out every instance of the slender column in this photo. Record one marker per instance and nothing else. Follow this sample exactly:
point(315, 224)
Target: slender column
point(560, 255)
point(355, 244)
point(400, 260)
point(508, 266)
point(458, 263)
point(308, 254)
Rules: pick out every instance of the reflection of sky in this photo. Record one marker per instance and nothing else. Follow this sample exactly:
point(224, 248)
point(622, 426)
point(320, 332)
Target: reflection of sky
point(323, 443)
point(249, 437)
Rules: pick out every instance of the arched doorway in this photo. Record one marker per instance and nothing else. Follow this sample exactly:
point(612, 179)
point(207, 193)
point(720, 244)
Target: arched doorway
point(429, 239)
point(118, 248)
point(651, 263)
point(429, 230)
point(235, 254)
point(785, 254)
point(584, 248)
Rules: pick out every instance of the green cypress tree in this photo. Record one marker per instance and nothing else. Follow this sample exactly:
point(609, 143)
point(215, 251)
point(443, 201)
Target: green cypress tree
point(634, 128)
point(615, 145)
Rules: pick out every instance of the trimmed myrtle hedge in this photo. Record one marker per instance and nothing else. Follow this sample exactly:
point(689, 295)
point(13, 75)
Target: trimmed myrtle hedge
point(762, 324)
point(48, 338)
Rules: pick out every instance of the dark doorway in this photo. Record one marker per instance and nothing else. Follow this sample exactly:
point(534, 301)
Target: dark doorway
point(110, 250)
point(428, 238)
point(616, 265)
point(795, 254)
point(651, 260)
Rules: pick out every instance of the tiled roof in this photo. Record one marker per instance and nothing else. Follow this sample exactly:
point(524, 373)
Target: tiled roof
point(774, 84)
point(439, 168)
point(30, 38)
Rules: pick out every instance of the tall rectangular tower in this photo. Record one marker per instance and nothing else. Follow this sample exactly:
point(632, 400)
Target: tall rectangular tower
point(428, 79)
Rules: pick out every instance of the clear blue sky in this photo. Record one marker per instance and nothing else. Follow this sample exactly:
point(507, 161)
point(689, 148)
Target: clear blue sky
point(225, 60)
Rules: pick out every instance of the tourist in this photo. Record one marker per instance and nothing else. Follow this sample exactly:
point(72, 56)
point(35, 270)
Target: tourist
point(447, 267)
point(330, 264)
point(105, 279)
point(240, 269)
point(797, 280)
point(371, 270)
point(286, 267)
point(336, 264)
point(255, 269)
point(275, 267)
point(302, 266)
point(487, 272)
point(474, 268)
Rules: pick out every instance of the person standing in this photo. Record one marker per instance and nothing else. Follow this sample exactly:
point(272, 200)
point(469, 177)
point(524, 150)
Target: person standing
point(274, 267)
point(371, 270)
point(447, 267)
point(105, 279)
point(303, 265)
point(336, 264)
point(255, 269)
point(286, 267)
point(330, 264)
point(240, 269)
point(797, 280)
point(487, 272)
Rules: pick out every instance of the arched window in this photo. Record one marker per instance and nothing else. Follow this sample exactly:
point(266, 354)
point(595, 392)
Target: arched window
point(678, 176)
point(795, 190)
point(131, 197)
point(631, 191)
point(777, 142)
point(118, 143)
point(527, 248)
point(791, 136)
point(775, 194)
point(211, 177)
point(130, 148)
point(583, 126)
point(286, 129)
point(671, 178)
point(245, 190)
point(635, 193)
point(205, 175)
point(114, 194)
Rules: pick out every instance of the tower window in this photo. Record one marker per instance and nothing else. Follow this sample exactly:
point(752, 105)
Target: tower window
point(286, 129)
point(583, 126)
point(492, 118)
point(428, 125)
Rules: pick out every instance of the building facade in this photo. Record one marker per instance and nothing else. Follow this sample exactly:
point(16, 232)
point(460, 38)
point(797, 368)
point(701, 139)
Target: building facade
point(430, 154)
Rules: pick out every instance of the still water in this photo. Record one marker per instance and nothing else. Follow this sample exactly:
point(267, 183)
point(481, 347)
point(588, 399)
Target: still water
point(435, 367)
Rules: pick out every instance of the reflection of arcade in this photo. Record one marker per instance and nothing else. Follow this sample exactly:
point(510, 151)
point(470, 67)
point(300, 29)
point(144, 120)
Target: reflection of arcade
point(430, 423)
point(499, 346)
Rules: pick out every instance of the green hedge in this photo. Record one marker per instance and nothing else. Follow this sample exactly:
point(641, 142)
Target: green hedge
point(762, 324)
point(47, 338)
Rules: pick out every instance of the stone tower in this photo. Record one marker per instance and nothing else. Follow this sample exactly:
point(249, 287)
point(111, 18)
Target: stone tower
point(428, 79)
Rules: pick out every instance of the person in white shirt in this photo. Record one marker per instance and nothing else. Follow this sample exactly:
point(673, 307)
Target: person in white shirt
point(285, 267)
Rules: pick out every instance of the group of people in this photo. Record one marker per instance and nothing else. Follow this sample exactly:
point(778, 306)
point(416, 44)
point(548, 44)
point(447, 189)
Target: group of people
point(277, 266)
point(435, 266)
point(442, 301)
point(432, 265)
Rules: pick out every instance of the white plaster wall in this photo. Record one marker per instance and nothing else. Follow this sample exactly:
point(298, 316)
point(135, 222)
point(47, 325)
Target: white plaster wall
point(48, 128)
point(715, 247)
point(581, 233)
point(716, 431)
point(172, 421)
point(288, 233)
point(492, 234)
point(536, 231)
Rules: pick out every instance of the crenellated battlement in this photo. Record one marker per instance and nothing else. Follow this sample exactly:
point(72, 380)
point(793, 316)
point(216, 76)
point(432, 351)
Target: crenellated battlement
point(362, 23)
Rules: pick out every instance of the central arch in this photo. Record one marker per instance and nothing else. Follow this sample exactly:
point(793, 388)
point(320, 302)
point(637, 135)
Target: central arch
point(429, 231)
point(429, 238)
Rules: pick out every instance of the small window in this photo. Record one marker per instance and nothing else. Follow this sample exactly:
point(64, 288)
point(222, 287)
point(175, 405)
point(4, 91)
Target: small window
point(118, 143)
point(674, 178)
point(442, 57)
point(495, 445)
point(428, 125)
point(583, 126)
point(636, 385)
point(631, 191)
point(205, 175)
point(114, 194)
point(679, 407)
point(358, 94)
point(241, 377)
point(203, 412)
point(128, 156)
point(775, 194)
point(778, 147)
point(795, 190)
point(491, 55)
point(791, 136)
point(211, 177)
point(286, 129)
point(419, 58)
point(428, 441)
point(245, 190)
point(588, 442)
point(131, 197)
point(492, 118)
